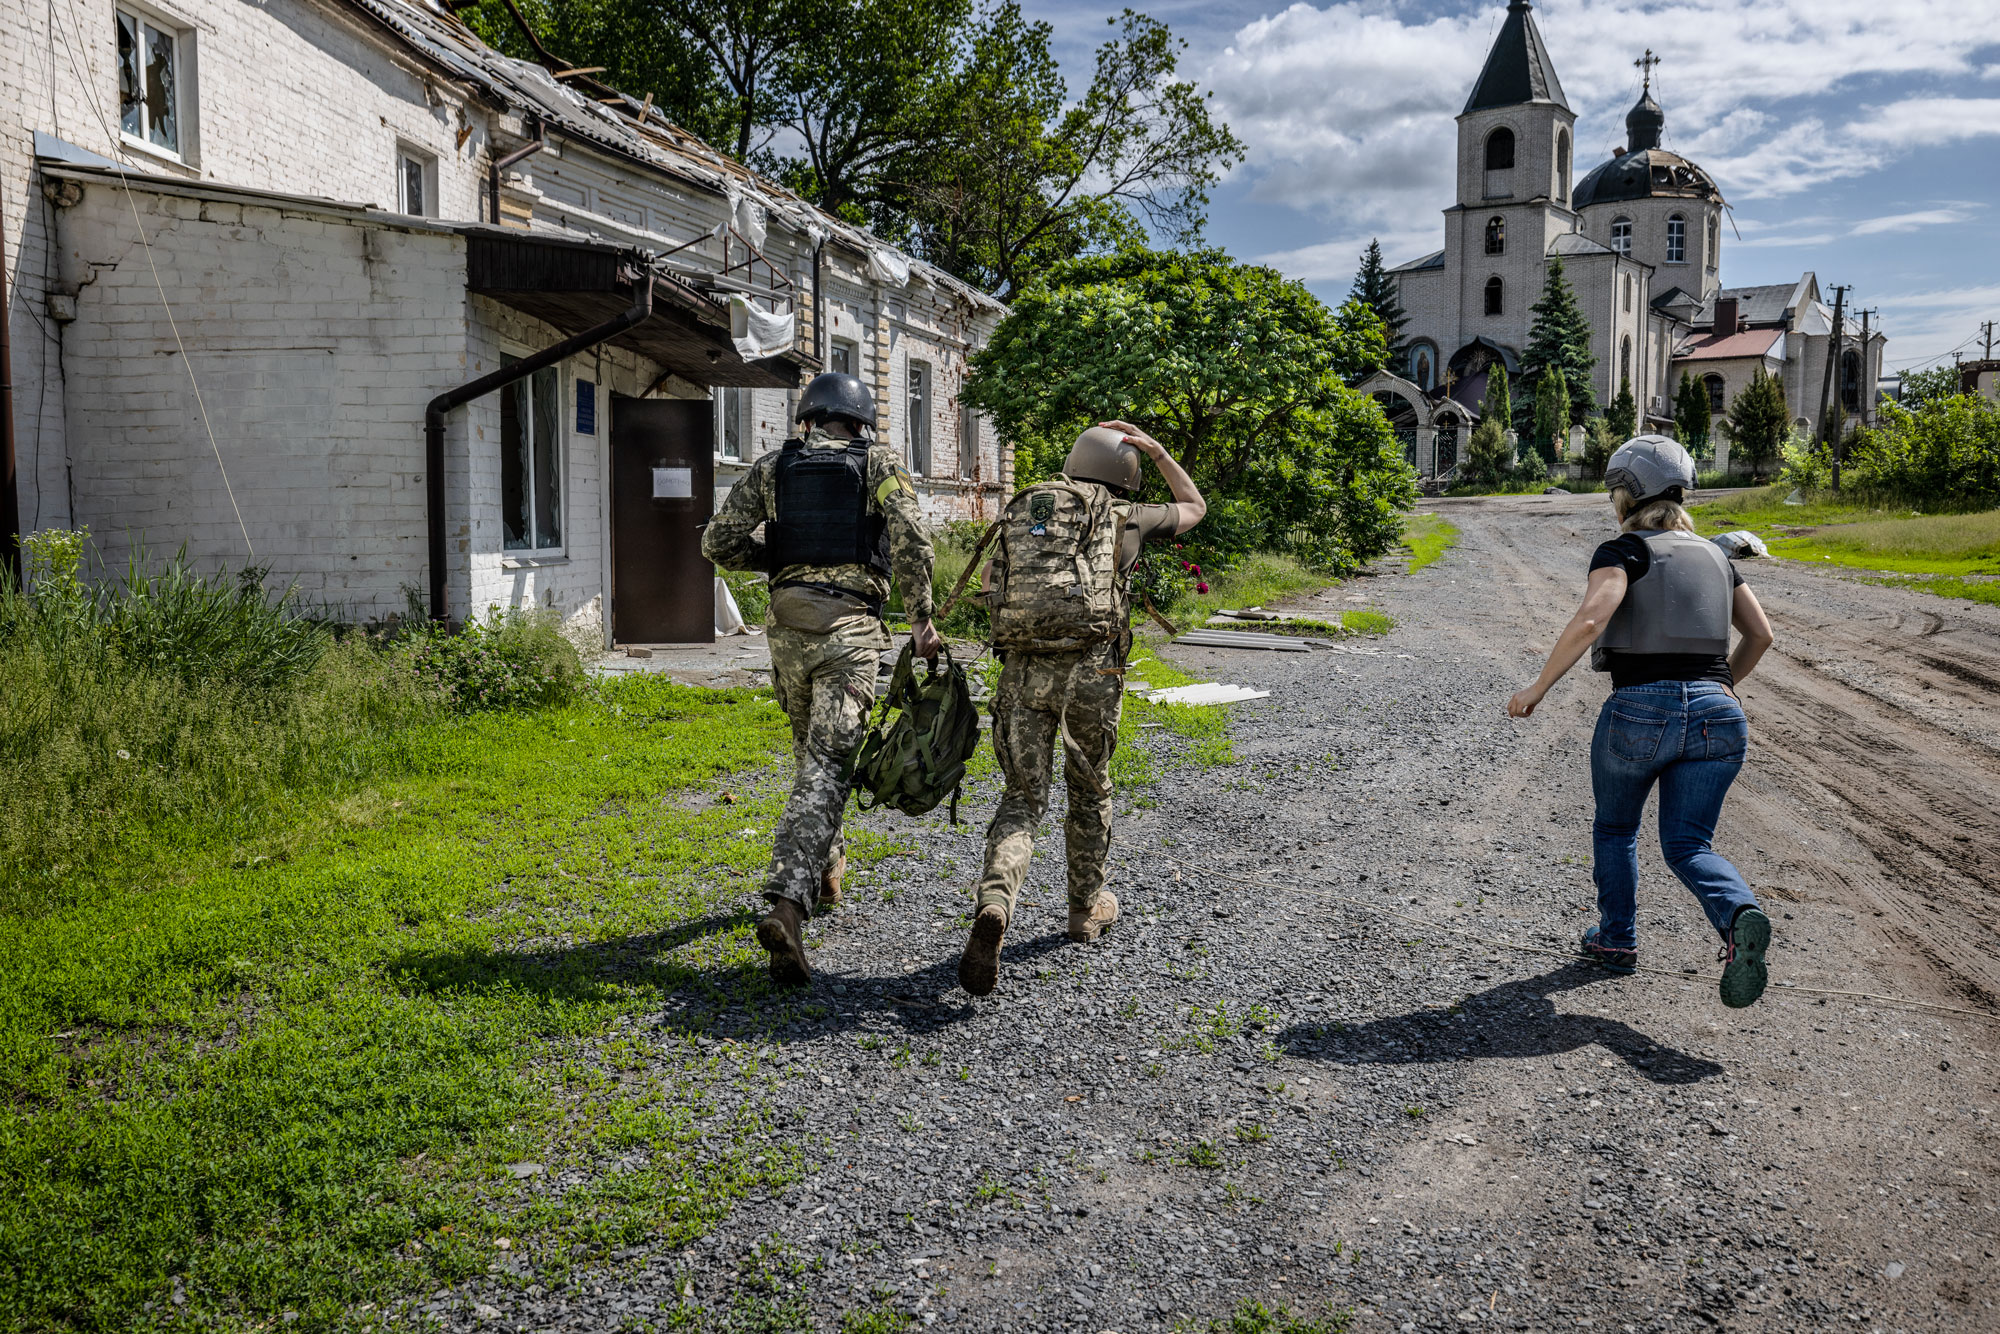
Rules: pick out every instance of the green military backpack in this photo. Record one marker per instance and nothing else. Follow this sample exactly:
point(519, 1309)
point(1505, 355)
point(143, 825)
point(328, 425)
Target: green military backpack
point(914, 762)
point(1057, 586)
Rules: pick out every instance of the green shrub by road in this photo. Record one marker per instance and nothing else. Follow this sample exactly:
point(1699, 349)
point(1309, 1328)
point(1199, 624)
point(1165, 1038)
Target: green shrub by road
point(1427, 536)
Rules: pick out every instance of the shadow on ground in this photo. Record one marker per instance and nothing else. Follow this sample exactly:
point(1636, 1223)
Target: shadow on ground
point(1515, 1019)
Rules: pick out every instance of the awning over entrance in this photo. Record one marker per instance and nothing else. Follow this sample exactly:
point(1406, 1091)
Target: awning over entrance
point(574, 285)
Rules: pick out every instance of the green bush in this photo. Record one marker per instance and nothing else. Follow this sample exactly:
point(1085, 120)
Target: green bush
point(1943, 455)
point(512, 660)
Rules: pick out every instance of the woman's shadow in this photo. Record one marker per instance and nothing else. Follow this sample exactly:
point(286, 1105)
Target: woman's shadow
point(1514, 1019)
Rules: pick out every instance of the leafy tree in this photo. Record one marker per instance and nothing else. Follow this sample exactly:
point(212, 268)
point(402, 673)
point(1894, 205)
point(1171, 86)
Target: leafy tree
point(1928, 386)
point(1374, 288)
point(1691, 416)
point(1240, 372)
point(1944, 454)
point(1558, 337)
point(1759, 421)
point(1621, 419)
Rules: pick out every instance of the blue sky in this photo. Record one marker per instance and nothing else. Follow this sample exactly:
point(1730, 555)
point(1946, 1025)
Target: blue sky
point(1857, 139)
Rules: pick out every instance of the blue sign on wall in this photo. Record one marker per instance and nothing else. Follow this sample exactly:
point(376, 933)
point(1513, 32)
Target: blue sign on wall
point(586, 407)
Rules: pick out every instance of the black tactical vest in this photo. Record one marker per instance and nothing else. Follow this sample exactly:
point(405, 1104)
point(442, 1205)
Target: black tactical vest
point(823, 516)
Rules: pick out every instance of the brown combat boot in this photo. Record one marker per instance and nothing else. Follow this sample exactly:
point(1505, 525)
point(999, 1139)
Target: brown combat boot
point(829, 880)
point(979, 966)
point(1087, 926)
point(782, 933)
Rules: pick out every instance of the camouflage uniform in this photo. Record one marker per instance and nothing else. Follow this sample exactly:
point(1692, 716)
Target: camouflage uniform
point(824, 664)
point(1042, 697)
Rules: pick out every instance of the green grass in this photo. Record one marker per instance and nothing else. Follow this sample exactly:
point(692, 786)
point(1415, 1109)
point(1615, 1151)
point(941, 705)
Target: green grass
point(1350, 623)
point(1253, 1317)
point(1963, 590)
point(1257, 580)
point(1834, 531)
point(287, 1072)
point(1427, 536)
point(1206, 725)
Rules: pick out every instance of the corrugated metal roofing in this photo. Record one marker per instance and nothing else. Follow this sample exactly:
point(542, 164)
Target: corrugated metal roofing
point(1749, 343)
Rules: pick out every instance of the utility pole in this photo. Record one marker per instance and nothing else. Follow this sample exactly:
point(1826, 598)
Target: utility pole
point(1830, 411)
point(1987, 329)
point(1867, 381)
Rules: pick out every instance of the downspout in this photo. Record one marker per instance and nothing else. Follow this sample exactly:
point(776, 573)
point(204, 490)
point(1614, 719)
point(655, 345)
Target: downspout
point(498, 165)
point(434, 415)
point(10, 497)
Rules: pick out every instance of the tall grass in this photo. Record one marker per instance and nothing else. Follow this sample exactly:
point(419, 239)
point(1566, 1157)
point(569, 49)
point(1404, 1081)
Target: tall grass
point(1933, 536)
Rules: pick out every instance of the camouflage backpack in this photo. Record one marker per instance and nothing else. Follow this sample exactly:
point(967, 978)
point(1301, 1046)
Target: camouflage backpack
point(913, 763)
point(1056, 579)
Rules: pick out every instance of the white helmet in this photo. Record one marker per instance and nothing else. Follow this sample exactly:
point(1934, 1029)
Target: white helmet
point(1650, 466)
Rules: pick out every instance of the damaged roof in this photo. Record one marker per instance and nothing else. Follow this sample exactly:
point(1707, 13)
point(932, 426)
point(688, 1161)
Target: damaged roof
point(629, 128)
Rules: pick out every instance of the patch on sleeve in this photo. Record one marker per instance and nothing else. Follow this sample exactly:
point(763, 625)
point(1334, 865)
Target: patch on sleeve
point(898, 480)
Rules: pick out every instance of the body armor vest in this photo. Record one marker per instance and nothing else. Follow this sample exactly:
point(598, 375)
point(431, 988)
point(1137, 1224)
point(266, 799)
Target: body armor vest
point(1681, 604)
point(823, 515)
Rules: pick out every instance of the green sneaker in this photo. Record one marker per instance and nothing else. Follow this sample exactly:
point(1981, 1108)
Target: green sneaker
point(1744, 972)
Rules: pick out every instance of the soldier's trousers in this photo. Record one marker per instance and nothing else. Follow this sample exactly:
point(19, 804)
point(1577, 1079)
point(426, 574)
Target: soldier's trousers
point(1040, 697)
point(826, 687)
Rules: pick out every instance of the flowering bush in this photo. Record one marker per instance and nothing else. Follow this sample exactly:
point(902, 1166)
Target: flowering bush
point(511, 660)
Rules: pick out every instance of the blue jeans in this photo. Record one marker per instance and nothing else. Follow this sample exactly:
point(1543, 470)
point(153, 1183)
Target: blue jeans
point(1690, 737)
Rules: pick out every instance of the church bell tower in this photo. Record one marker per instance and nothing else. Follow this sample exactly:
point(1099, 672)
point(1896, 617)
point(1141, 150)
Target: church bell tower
point(1516, 134)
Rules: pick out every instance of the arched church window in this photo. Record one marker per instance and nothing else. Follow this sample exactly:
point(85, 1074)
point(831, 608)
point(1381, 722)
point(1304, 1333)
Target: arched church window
point(1713, 383)
point(1625, 359)
point(1628, 291)
point(1850, 381)
point(1500, 149)
point(1677, 240)
point(1496, 236)
point(1494, 291)
point(1562, 166)
point(1423, 365)
point(1714, 234)
point(1621, 235)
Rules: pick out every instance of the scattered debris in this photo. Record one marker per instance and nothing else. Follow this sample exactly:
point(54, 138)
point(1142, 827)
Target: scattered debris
point(1741, 543)
point(1207, 693)
point(1555, 491)
point(1246, 639)
point(634, 651)
point(1795, 499)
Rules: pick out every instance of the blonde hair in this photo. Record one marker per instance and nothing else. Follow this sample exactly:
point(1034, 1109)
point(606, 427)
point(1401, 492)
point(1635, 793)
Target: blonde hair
point(1653, 516)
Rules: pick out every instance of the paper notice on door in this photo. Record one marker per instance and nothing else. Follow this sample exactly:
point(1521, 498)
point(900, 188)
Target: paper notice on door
point(673, 483)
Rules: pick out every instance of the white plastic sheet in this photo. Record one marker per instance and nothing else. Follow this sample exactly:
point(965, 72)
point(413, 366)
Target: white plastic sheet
point(1741, 543)
point(886, 266)
point(728, 616)
point(1207, 693)
point(756, 332)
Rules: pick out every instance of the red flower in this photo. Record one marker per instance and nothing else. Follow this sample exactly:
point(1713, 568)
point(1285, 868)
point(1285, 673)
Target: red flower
point(1201, 588)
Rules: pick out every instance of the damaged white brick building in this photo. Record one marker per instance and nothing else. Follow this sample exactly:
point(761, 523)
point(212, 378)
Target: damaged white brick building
point(252, 249)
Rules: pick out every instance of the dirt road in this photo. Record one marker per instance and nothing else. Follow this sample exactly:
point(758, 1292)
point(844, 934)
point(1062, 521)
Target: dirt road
point(1338, 1090)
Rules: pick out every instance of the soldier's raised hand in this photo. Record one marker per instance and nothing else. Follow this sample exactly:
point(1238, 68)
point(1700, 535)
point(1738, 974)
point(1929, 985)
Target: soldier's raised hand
point(925, 641)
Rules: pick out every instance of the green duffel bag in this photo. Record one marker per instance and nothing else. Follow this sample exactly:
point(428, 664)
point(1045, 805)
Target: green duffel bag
point(915, 760)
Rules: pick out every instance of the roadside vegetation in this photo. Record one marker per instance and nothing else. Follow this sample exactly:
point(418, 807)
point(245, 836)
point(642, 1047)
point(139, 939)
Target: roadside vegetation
point(1427, 537)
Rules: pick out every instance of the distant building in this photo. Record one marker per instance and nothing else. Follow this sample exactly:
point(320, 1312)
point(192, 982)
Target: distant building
point(247, 244)
point(1980, 377)
point(1640, 239)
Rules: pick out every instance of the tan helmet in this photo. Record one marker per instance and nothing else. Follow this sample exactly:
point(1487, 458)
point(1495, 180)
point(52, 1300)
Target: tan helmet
point(1100, 454)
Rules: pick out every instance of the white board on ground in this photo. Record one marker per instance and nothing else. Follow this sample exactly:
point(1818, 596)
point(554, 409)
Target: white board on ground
point(1206, 693)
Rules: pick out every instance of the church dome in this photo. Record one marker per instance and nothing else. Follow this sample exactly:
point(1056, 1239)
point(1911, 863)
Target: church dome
point(1650, 173)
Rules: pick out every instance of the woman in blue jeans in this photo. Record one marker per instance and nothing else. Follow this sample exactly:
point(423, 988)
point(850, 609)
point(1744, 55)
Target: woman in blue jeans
point(1656, 615)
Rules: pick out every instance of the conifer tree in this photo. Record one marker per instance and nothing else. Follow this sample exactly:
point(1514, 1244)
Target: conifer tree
point(1759, 420)
point(1559, 336)
point(1621, 419)
point(1551, 418)
point(1691, 416)
point(1488, 460)
point(1373, 287)
point(1495, 407)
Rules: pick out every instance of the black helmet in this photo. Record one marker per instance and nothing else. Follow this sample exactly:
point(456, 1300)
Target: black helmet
point(832, 394)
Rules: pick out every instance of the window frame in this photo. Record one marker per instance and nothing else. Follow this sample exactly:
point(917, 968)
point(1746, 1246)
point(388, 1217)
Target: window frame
point(1718, 393)
point(918, 384)
point(968, 440)
point(1628, 293)
point(1513, 148)
point(1562, 167)
point(1677, 241)
point(1621, 236)
point(512, 395)
point(1496, 235)
point(847, 347)
point(1625, 361)
point(734, 406)
point(181, 35)
point(1496, 296)
point(409, 155)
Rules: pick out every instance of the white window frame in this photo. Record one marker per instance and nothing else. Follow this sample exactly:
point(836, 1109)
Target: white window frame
point(848, 348)
point(524, 415)
point(1677, 253)
point(918, 385)
point(184, 102)
point(1621, 236)
point(968, 441)
point(736, 404)
point(408, 155)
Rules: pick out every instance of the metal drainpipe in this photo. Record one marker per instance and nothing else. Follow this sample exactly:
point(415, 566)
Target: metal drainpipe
point(434, 414)
point(528, 150)
point(10, 496)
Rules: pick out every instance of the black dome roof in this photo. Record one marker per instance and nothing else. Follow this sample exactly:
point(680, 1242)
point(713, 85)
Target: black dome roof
point(1647, 174)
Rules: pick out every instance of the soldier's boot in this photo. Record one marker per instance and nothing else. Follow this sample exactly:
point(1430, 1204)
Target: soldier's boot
point(782, 933)
point(979, 966)
point(829, 880)
point(1088, 924)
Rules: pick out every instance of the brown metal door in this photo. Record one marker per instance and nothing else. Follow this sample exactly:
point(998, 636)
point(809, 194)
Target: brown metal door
point(662, 493)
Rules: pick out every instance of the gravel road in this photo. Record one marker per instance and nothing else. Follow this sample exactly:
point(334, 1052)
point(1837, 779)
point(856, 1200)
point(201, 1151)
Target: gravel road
point(1308, 1069)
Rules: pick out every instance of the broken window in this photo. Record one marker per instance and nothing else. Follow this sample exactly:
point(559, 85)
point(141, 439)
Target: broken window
point(735, 423)
point(918, 425)
point(1621, 235)
point(416, 174)
point(843, 358)
point(531, 462)
point(968, 441)
point(148, 83)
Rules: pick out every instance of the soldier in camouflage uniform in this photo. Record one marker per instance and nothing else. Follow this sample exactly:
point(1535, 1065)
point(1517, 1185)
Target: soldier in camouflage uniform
point(1072, 699)
point(829, 518)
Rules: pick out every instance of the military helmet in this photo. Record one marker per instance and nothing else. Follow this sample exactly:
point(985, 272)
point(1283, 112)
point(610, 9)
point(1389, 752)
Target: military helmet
point(831, 394)
point(1650, 467)
point(1100, 454)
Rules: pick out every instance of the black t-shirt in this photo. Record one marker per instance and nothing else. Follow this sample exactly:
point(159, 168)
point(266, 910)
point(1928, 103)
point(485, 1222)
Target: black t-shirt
point(1629, 551)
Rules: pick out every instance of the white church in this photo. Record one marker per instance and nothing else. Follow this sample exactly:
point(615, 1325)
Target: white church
point(1640, 239)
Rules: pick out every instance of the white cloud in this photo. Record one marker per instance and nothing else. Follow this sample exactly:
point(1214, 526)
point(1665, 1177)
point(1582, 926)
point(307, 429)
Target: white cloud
point(1340, 259)
point(1779, 242)
point(1347, 110)
point(1909, 222)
